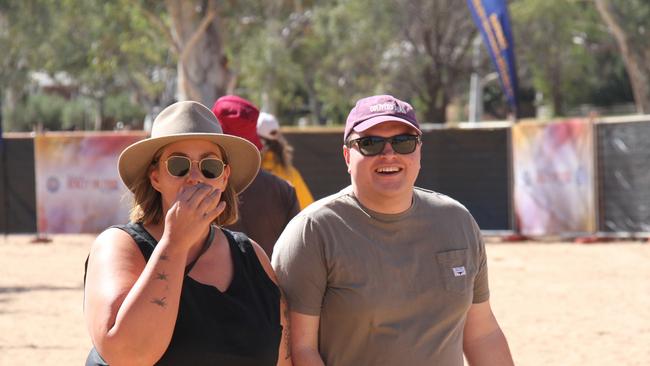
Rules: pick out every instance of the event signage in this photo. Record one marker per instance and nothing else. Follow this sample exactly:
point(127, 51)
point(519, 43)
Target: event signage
point(553, 168)
point(492, 19)
point(78, 188)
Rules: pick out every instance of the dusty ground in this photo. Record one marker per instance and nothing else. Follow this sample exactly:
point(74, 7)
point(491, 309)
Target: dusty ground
point(559, 304)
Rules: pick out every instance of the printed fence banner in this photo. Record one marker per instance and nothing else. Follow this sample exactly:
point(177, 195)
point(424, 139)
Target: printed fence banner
point(553, 165)
point(78, 188)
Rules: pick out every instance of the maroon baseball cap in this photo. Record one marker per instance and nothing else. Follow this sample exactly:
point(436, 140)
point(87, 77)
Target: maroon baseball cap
point(238, 117)
point(371, 111)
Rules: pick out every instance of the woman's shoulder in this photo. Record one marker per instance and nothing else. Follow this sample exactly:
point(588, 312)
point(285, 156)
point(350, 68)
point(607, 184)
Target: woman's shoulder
point(116, 242)
point(116, 235)
point(264, 261)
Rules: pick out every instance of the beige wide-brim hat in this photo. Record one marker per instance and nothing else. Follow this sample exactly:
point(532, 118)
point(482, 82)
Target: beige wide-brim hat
point(190, 120)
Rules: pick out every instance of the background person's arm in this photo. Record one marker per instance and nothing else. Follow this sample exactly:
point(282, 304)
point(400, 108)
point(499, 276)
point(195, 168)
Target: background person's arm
point(484, 343)
point(304, 339)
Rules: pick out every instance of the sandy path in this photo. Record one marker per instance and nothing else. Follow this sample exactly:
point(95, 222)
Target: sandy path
point(559, 304)
point(41, 319)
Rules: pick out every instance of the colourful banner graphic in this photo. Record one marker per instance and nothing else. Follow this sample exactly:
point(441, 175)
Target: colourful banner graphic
point(78, 188)
point(492, 19)
point(554, 178)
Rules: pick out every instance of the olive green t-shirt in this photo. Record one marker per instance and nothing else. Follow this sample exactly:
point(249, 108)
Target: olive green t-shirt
point(389, 289)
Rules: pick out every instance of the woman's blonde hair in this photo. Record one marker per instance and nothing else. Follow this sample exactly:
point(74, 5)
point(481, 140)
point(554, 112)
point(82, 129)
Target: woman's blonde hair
point(147, 201)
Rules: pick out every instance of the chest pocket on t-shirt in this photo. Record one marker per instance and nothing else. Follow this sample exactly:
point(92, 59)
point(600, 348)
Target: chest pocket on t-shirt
point(456, 270)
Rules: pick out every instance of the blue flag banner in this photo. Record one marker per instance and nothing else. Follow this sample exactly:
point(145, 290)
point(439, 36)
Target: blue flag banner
point(492, 19)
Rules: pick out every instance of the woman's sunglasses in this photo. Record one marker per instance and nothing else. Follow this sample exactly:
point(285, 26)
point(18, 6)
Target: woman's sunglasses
point(179, 166)
point(374, 145)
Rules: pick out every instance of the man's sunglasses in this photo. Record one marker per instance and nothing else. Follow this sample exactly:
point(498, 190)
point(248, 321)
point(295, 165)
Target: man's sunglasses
point(179, 166)
point(374, 145)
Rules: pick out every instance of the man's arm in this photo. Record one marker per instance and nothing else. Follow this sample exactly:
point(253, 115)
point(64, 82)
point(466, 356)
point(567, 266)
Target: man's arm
point(484, 343)
point(304, 339)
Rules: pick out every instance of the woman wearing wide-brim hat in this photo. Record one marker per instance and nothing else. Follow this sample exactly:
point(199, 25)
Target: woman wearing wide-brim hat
point(172, 287)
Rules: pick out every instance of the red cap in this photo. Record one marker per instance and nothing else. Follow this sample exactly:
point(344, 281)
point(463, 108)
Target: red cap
point(238, 117)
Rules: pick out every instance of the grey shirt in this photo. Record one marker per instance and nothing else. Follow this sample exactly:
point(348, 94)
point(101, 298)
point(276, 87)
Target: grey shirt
point(389, 289)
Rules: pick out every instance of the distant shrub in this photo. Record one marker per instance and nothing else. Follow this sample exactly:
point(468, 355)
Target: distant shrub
point(78, 114)
point(120, 108)
point(53, 112)
point(37, 110)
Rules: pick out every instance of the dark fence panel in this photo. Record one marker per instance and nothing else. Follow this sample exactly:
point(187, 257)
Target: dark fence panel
point(17, 186)
point(473, 167)
point(319, 158)
point(623, 158)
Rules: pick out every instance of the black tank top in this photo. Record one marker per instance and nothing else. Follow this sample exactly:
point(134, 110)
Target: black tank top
point(240, 326)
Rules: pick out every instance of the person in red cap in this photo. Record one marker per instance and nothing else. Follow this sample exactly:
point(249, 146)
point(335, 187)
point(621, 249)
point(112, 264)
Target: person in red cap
point(270, 202)
point(383, 272)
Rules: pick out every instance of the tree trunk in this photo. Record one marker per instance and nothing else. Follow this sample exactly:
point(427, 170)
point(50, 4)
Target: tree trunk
point(203, 73)
point(314, 105)
point(557, 99)
point(639, 78)
point(436, 109)
point(436, 114)
point(99, 116)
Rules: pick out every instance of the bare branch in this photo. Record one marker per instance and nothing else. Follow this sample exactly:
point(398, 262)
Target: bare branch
point(638, 79)
point(163, 28)
point(198, 33)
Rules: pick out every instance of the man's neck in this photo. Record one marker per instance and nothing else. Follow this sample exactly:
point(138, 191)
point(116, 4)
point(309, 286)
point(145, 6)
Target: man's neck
point(385, 204)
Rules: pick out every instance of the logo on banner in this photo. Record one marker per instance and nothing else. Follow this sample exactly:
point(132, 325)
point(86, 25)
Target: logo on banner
point(53, 184)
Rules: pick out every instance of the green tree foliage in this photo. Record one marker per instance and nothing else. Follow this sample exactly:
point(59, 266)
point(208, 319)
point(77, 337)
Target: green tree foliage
point(127, 58)
point(103, 49)
point(310, 60)
point(549, 38)
point(334, 52)
point(565, 52)
point(20, 37)
point(629, 23)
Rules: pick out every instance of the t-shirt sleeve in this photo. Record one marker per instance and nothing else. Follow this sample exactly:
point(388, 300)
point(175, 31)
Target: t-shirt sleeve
point(293, 206)
point(481, 287)
point(299, 264)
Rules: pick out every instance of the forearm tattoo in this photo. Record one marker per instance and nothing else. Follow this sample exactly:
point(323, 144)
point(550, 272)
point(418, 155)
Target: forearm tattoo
point(160, 302)
point(286, 330)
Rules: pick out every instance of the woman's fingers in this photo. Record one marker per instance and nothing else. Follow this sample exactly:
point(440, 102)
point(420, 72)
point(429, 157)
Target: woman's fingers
point(209, 201)
point(201, 200)
point(215, 212)
point(193, 195)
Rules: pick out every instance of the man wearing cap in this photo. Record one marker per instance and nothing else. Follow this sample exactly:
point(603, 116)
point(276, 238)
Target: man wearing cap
point(270, 202)
point(385, 273)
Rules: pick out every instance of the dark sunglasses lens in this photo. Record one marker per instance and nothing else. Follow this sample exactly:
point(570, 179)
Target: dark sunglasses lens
point(178, 166)
point(404, 144)
point(211, 168)
point(371, 145)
